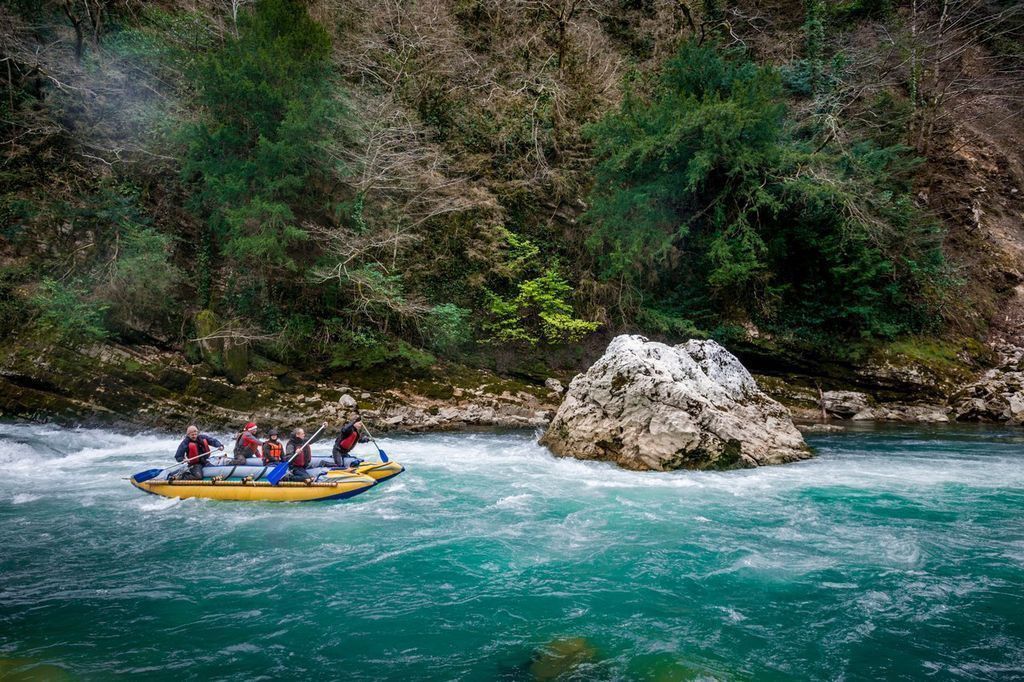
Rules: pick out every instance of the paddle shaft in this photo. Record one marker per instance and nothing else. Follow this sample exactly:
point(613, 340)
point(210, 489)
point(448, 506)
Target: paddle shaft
point(281, 470)
point(153, 473)
point(380, 453)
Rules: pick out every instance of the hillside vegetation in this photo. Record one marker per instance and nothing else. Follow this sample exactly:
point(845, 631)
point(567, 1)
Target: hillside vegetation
point(381, 184)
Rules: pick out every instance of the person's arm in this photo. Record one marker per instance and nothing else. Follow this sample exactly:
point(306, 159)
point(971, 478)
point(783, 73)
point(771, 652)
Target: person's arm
point(214, 443)
point(179, 455)
point(254, 446)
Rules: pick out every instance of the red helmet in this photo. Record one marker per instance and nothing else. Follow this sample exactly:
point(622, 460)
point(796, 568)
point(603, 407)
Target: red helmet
point(250, 426)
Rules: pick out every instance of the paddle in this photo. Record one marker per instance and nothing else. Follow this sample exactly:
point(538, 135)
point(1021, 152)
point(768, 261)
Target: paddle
point(380, 453)
point(281, 470)
point(144, 476)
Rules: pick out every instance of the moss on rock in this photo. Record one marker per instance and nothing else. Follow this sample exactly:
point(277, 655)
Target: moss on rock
point(211, 349)
point(236, 361)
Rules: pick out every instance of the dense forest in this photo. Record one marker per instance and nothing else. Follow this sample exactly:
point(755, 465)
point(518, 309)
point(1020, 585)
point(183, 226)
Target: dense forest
point(499, 183)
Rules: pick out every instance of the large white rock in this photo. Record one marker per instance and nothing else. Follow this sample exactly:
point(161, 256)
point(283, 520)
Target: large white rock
point(646, 405)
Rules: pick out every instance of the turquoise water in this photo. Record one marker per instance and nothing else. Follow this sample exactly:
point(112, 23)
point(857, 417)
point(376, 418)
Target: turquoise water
point(894, 554)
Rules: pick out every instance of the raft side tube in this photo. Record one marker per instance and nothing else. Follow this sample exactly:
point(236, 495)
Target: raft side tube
point(286, 491)
point(381, 471)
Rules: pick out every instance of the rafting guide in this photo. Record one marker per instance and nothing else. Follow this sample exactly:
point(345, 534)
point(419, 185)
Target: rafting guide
point(350, 434)
point(271, 470)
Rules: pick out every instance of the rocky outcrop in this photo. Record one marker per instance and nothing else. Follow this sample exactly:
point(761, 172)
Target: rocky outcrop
point(995, 395)
point(646, 405)
point(845, 404)
point(998, 394)
point(862, 407)
point(554, 385)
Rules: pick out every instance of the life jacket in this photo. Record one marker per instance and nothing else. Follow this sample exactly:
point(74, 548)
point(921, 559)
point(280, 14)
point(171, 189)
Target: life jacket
point(272, 451)
point(246, 445)
point(303, 455)
point(199, 446)
point(346, 443)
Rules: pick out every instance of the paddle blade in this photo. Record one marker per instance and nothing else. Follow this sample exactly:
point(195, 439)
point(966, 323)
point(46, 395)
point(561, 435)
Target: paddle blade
point(279, 472)
point(144, 476)
point(383, 455)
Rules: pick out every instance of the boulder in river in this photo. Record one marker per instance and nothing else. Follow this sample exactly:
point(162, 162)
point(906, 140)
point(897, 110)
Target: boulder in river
point(646, 405)
point(563, 659)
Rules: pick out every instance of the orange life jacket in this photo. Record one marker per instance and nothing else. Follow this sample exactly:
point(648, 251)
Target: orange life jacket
point(273, 451)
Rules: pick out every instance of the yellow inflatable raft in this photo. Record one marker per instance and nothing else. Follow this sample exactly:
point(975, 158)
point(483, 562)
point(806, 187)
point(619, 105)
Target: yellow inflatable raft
point(378, 471)
point(336, 488)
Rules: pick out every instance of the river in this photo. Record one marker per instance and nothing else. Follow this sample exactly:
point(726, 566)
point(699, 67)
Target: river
point(896, 553)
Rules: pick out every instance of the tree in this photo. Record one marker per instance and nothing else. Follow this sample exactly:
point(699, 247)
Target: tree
point(254, 156)
point(538, 313)
point(706, 201)
point(86, 14)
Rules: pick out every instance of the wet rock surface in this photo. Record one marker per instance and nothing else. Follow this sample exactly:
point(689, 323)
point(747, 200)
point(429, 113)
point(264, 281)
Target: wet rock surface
point(998, 394)
point(148, 387)
point(992, 395)
point(646, 405)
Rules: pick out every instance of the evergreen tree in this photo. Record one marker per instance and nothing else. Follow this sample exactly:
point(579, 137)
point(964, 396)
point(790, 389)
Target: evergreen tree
point(254, 153)
point(708, 205)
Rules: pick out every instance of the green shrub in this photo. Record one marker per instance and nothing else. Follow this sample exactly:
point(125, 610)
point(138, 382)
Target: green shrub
point(296, 344)
point(66, 312)
point(14, 309)
point(539, 313)
point(362, 350)
point(447, 328)
point(140, 289)
point(662, 321)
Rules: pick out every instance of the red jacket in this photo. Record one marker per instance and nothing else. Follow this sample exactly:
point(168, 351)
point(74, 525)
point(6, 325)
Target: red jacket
point(247, 441)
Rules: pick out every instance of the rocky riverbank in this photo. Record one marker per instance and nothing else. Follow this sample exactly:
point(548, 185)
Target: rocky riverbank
point(148, 387)
point(143, 386)
point(992, 394)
